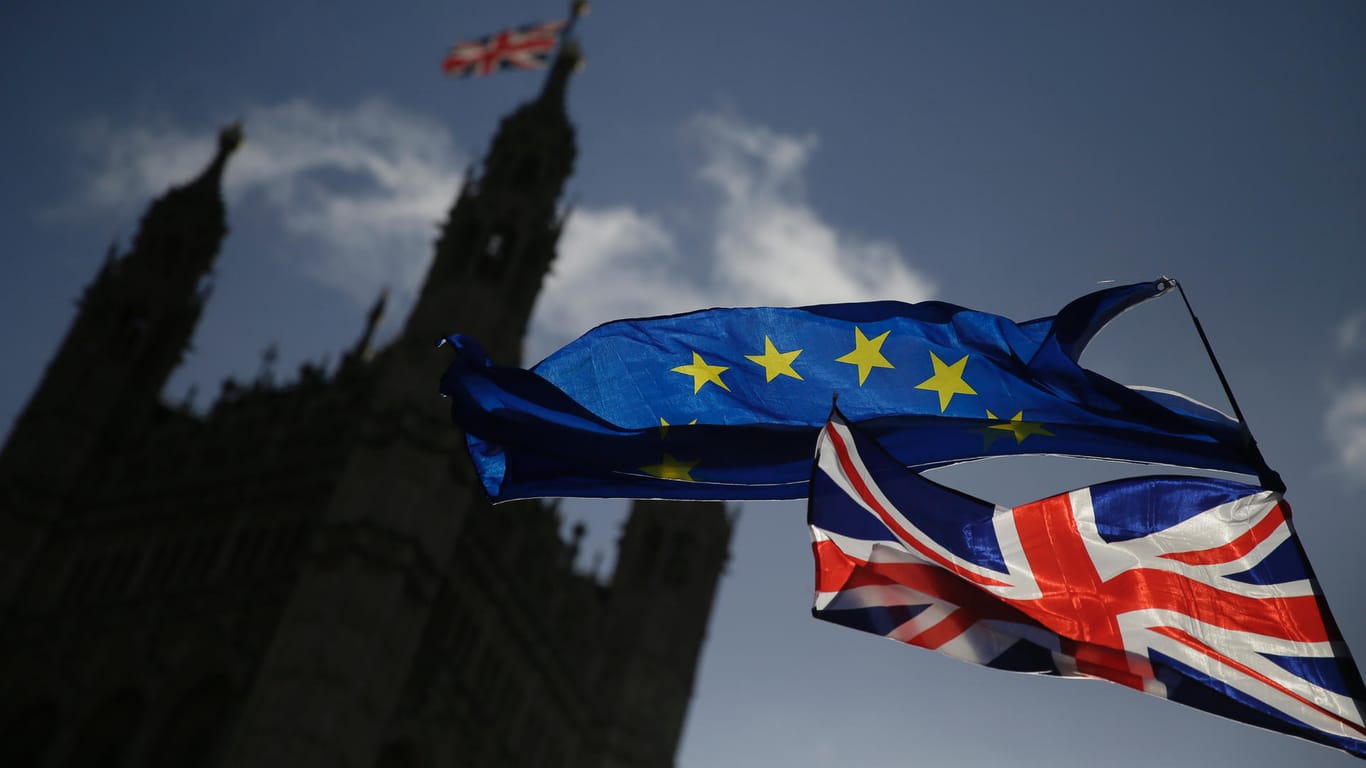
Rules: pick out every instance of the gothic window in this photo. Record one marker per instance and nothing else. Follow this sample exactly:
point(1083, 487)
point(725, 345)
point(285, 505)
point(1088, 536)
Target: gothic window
point(79, 578)
point(103, 739)
point(27, 737)
point(532, 736)
point(676, 565)
point(194, 726)
point(246, 550)
point(496, 258)
point(528, 172)
point(465, 640)
point(489, 673)
point(493, 261)
point(129, 331)
point(118, 574)
point(175, 245)
point(396, 754)
point(649, 554)
point(288, 544)
point(161, 572)
point(202, 555)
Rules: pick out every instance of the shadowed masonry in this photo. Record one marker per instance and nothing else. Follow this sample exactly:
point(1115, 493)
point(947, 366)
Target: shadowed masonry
point(308, 574)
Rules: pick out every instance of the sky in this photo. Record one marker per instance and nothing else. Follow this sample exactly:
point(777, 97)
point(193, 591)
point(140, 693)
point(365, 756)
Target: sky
point(999, 155)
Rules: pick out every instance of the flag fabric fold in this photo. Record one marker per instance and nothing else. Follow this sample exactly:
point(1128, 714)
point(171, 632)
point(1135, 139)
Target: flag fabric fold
point(727, 403)
point(1192, 589)
point(525, 47)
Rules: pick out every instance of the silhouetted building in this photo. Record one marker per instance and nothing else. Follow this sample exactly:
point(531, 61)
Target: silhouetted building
point(308, 574)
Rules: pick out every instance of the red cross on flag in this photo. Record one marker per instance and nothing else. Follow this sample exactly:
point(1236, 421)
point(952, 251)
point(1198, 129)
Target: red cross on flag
point(1193, 589)
point(526, 47)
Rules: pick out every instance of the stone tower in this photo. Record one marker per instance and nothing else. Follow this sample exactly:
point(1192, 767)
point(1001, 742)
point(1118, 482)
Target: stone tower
point(133, 327)
point(669, 567)
point(308, 574)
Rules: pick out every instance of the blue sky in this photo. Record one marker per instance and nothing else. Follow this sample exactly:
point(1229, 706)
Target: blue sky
point(1005, 156)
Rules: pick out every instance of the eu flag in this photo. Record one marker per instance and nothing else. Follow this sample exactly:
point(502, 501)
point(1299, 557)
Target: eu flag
point(727, 403)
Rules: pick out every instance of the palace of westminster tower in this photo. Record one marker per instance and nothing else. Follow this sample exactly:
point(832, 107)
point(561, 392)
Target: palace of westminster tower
point(308, 574)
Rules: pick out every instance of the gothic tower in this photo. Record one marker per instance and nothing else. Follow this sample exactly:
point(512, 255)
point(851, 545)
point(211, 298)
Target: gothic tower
point(133, 327)
point(499, 241)
point(405, 494)
point(407, 503)
point(672, 557)
point(308, 574)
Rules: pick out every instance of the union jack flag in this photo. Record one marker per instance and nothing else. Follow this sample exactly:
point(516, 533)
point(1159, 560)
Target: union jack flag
point(1192, 589)
point(525, 47)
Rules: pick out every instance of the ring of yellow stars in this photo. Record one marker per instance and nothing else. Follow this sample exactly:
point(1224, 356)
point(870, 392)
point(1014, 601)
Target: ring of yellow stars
point(671, 469)
point(1020, 428)
point(776, 363)
point(867, 354)
point(702, 373)
point(947, 381)
point(664, 427)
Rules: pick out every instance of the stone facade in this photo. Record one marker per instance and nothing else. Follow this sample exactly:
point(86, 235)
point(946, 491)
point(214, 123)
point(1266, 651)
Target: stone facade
point(308, 574)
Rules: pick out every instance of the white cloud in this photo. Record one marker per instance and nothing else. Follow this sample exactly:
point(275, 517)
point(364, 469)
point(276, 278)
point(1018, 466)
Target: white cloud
point(771, 246)
point(1352, 334)
point(365, 186)
point(1344, 418)
point(613, 263)
point(765, 245)
point(1345, 426)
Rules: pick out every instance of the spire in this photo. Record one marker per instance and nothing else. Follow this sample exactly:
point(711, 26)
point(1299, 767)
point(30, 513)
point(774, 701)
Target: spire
point(186, 223)
point(133, 327)
point(361, 350)
point(568, 59)
point(229, 139)
point(500, 237)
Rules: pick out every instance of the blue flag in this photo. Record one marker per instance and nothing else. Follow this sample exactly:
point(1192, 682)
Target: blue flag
point(727, 403)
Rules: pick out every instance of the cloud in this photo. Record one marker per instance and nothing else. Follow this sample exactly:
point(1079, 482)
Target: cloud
point(1352, 334)
point(1344, 418)
point(771, 246)
point(363, 186)
point(762, 244)
point(1345, 426)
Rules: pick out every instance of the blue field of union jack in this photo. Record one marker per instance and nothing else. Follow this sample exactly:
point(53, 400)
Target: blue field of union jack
point(1192, 589)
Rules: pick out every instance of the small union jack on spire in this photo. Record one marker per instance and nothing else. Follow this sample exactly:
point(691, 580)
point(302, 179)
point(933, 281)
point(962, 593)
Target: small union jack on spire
point(525, 47)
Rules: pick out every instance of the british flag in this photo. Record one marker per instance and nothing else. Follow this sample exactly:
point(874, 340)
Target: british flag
point(525, 47)
point(1192, 589)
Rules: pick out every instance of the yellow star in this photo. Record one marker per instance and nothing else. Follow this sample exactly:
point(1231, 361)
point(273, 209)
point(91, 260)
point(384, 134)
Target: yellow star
point(664, 427)
point(1020, 428)
point(867, 354)
point(702, 373)
point(947, 381)
point(776, 363)
point(989, 433)
point(671, 469)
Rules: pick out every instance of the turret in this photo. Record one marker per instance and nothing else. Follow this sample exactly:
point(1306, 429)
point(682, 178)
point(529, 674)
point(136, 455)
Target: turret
point(669, 564)
point(500, 237)
point(133, 326)
point(360, 352)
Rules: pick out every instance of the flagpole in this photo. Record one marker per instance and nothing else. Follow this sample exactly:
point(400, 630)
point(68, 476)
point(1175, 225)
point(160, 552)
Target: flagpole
point(577, 8)
point(555, 77)
point(1269, 478)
